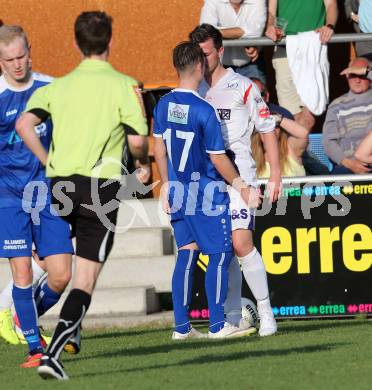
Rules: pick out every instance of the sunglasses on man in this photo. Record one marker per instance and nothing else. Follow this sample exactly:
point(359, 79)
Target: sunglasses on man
point(357, 76)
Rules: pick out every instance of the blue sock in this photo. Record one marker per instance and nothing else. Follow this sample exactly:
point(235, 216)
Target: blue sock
point(26, 311)
point(216, 283)
point(45, 298)
point(182, 287)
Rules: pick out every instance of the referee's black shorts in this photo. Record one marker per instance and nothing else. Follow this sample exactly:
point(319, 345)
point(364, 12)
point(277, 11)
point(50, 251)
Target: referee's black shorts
point(93, 226)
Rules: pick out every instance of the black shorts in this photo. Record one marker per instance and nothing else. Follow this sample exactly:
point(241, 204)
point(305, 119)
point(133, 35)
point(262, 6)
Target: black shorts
point(82, 202)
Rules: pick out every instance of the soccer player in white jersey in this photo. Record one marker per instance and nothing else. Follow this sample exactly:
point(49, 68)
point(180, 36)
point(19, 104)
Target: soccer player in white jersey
point(241, 109)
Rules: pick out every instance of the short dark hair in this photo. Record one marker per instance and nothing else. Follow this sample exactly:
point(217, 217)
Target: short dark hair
point(187, 55)
point(205, 31)
point(93, 31)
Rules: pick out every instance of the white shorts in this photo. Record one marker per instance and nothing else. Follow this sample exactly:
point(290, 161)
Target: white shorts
point(242, 217)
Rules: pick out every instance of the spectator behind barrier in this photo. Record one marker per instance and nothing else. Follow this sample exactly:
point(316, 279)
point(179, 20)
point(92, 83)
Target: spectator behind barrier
point(302, 16)
point(363, 49)
point(238, 19)
point(293, 140)
point(349, 120)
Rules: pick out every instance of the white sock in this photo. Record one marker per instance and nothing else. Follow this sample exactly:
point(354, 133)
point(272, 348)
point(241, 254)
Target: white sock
point(255, 275)
point(6, 299)
point(37, 272)
point(233, 303)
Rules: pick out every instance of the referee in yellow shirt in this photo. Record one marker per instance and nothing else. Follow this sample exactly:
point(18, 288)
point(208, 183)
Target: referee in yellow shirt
point(91, 108)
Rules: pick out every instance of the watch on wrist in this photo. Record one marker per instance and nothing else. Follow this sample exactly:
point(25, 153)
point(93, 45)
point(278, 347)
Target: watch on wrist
point(331, 26)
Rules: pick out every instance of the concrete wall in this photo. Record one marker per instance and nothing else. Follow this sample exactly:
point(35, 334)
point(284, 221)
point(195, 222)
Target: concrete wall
point(144, 33)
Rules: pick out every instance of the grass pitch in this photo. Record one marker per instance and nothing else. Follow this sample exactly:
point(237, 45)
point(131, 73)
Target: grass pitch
point(303, 355)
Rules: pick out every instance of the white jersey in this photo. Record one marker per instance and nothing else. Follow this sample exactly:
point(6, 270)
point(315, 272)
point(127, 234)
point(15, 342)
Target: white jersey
point(241, 110)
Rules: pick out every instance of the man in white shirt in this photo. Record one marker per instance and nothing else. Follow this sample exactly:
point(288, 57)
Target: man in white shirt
point(241, 109)
point(238, 19)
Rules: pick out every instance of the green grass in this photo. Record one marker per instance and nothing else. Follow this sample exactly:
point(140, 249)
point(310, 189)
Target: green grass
point(304, 355)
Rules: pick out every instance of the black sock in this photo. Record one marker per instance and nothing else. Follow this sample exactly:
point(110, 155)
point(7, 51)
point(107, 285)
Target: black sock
point(72, 313)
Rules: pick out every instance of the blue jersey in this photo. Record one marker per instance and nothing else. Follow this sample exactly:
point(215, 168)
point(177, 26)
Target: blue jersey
point(191, 130)
point(18, 165)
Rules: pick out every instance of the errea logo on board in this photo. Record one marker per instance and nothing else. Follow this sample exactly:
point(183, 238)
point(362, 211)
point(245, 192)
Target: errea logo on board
point(178, 113)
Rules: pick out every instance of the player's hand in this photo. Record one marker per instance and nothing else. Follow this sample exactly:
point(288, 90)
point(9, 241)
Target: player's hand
point(252, 53)
point(359, 70)
point(164, 197)
point(143, 171)
point(325, 34)
point(274, 33)
point(356, 166)
point(251, 196)
point(274, 187)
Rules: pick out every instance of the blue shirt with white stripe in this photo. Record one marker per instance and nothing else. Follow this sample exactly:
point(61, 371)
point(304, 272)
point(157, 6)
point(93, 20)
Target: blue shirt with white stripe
point(18, 165)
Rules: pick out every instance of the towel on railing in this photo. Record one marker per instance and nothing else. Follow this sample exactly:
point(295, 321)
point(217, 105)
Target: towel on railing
point(309, 66)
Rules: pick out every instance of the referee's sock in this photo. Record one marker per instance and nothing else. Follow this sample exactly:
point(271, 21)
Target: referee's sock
point(182, 287)
point(233, 303)
point(72, 313)
point(216, 283)
point(27, 316)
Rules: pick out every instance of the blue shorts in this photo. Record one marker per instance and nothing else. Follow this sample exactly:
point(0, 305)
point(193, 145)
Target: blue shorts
point(212, 234)
point(18, 232)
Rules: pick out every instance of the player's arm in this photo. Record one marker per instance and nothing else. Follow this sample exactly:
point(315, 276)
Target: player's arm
point(227, 170)
point(161, 159)
point(25, 127)
point(161, 156)
point(37, 110)
point(139, 147)
point(216, 150)
point(133, 117)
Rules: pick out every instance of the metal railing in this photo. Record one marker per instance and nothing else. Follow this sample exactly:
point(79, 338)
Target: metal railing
point(263, 41)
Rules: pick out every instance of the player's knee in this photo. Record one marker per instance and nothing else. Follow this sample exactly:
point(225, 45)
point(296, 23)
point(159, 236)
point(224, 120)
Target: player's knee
point(242, 248)
point(22, 276)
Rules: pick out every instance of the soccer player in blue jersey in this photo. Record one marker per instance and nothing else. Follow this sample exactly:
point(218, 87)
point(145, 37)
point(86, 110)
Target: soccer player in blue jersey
point(193, 166)
point(25, 213)
point(241, 110)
